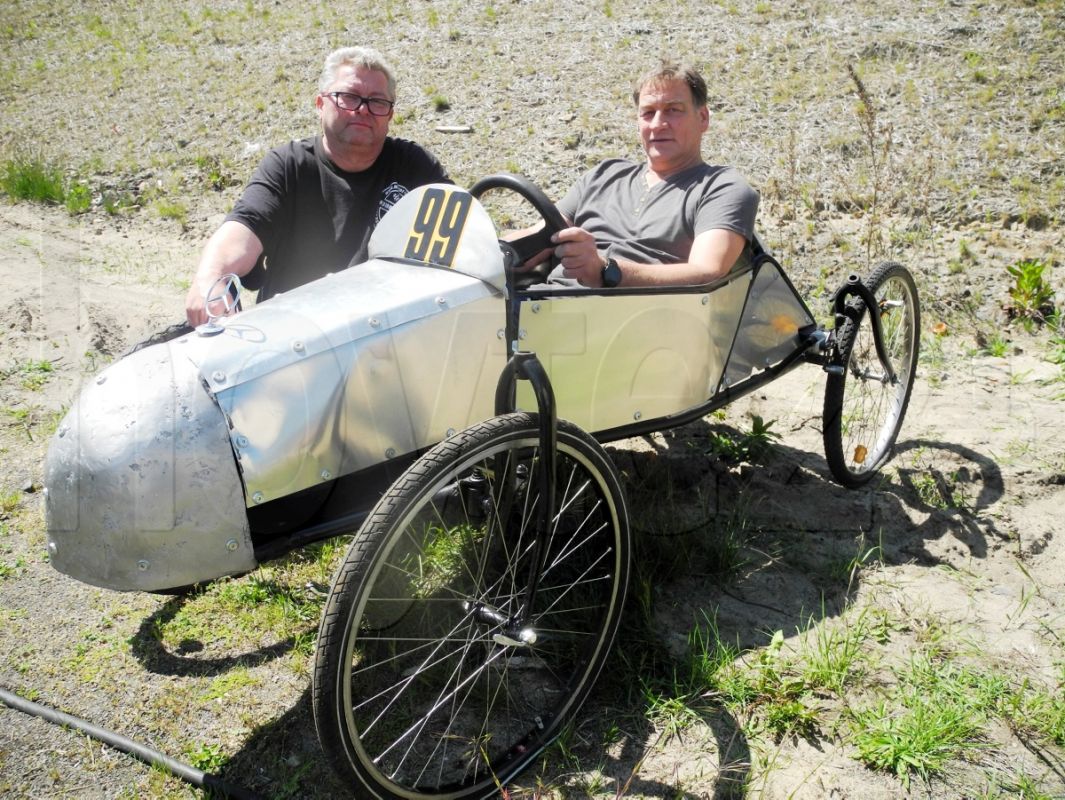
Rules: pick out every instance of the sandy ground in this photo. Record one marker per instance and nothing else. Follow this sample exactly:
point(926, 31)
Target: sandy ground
point(988, 569)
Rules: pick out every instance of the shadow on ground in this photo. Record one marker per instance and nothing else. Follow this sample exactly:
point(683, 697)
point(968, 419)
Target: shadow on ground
point(753, 548)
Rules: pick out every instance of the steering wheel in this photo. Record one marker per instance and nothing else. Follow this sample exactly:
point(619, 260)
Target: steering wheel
point(518, 251)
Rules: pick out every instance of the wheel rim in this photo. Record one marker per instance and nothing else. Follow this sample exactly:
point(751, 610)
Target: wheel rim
point(873, 406)
point(440, 695)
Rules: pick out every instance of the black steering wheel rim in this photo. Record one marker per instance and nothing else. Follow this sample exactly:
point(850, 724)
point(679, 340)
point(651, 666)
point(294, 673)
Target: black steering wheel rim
point(527, 246)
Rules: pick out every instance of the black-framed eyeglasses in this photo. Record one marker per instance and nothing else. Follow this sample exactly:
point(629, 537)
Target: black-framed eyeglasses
point(348, 101)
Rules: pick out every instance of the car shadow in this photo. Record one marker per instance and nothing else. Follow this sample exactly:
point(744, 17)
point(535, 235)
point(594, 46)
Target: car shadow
point(738, 550)
point(148, 648)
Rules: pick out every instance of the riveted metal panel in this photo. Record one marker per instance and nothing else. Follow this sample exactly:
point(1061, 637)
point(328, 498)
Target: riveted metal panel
point(142, 489)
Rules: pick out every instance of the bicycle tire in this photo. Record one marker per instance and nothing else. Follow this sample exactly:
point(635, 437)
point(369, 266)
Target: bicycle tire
point(863, 412)
point(417, 691)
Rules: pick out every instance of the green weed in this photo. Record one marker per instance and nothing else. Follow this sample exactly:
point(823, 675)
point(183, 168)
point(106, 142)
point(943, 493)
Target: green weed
point(996, 345)
point(878, 142)
point(173, 209)
point(831, 655)
point(29, 178)
point(752, 446)
point(78, 199)
point(724, 543)
point(35, 374)
point(933, 715)
point(1033, 710)
point(235, 679)
point(782, 696)
point(672, 714)
point(932, 359)
point(214, 173)
point(9, 501)
point(1031, 295)
point(10, 570)
point(208, 757)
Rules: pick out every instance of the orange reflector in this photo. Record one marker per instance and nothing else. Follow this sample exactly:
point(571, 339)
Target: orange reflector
point(860, 452)
point(784, 324)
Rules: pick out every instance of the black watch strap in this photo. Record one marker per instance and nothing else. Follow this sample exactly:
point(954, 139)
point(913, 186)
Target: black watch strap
point(611, 274)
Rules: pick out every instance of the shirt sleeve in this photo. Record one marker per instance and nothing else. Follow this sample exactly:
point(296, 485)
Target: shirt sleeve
point(424, 166)
point(261, 207)
point(569, 204)
point(729, 203)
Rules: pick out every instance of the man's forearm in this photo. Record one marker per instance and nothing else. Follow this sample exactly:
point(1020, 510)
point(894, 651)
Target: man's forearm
point(233, 248)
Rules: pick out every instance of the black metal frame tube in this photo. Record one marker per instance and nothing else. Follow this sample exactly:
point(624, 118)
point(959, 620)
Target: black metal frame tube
point(854, 287)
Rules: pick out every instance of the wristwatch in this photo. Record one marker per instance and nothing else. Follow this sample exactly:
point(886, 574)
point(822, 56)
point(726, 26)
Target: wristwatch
point(611, 274)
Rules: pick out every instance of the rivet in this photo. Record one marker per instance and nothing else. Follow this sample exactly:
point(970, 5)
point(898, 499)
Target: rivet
point(450, 433)
point(441, 301)
point(521, 333)
point(375, 322)
point(101, 379)
point(242, 441)
point(390, 452)
point(638, 416)
point(143, 565)
point(706, 299)
point(218, 376)
point(297, 346)
point(536, 308)
point(500, 334)
point(257, 497)
point(326, 475)
point(231, 545)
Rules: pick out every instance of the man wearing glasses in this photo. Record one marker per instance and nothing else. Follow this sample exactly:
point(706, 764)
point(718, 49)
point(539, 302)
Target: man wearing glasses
point(312, 204)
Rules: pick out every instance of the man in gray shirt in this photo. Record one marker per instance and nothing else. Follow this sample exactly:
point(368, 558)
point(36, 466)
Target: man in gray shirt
point(673, 220)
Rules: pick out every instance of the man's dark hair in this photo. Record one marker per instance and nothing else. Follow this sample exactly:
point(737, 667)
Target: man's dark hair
point(668, 71)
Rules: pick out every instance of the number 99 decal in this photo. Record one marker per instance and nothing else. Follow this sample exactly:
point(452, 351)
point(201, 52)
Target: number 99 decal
point(438, 226)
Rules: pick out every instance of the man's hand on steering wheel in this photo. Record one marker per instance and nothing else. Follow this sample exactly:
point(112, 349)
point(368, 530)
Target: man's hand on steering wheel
point(534, 245)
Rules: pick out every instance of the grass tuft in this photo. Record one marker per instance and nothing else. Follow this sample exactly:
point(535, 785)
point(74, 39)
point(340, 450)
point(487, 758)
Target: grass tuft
point(934, 715)
point(31, 179)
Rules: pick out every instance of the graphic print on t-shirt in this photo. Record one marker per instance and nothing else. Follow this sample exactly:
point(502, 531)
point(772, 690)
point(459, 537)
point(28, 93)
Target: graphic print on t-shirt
point(389, 197)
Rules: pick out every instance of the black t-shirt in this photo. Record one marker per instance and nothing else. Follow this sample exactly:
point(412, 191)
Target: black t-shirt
point(313, 218)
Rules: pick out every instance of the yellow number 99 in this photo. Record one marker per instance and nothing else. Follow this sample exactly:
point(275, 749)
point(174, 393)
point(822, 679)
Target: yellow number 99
point(438, 226)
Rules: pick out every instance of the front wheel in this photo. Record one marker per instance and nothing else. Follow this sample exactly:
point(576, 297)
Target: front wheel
point(423, 687)
point(864, 408)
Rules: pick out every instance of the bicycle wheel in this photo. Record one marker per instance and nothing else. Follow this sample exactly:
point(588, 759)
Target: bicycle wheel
point(864, 409)
point(421, 687)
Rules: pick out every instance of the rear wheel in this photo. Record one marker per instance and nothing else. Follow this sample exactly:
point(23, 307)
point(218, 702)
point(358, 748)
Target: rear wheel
point(422, 687)
point(863, 408)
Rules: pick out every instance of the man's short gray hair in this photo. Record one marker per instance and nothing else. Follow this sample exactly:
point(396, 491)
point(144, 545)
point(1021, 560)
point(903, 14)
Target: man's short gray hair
point(365, 57)
point(667, 71)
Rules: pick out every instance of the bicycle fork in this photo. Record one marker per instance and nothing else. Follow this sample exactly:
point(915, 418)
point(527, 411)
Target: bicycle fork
point(842, 310)
point(526, 366)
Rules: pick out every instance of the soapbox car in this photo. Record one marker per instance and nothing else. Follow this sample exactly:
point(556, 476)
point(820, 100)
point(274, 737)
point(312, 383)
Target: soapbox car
point(419, 400)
